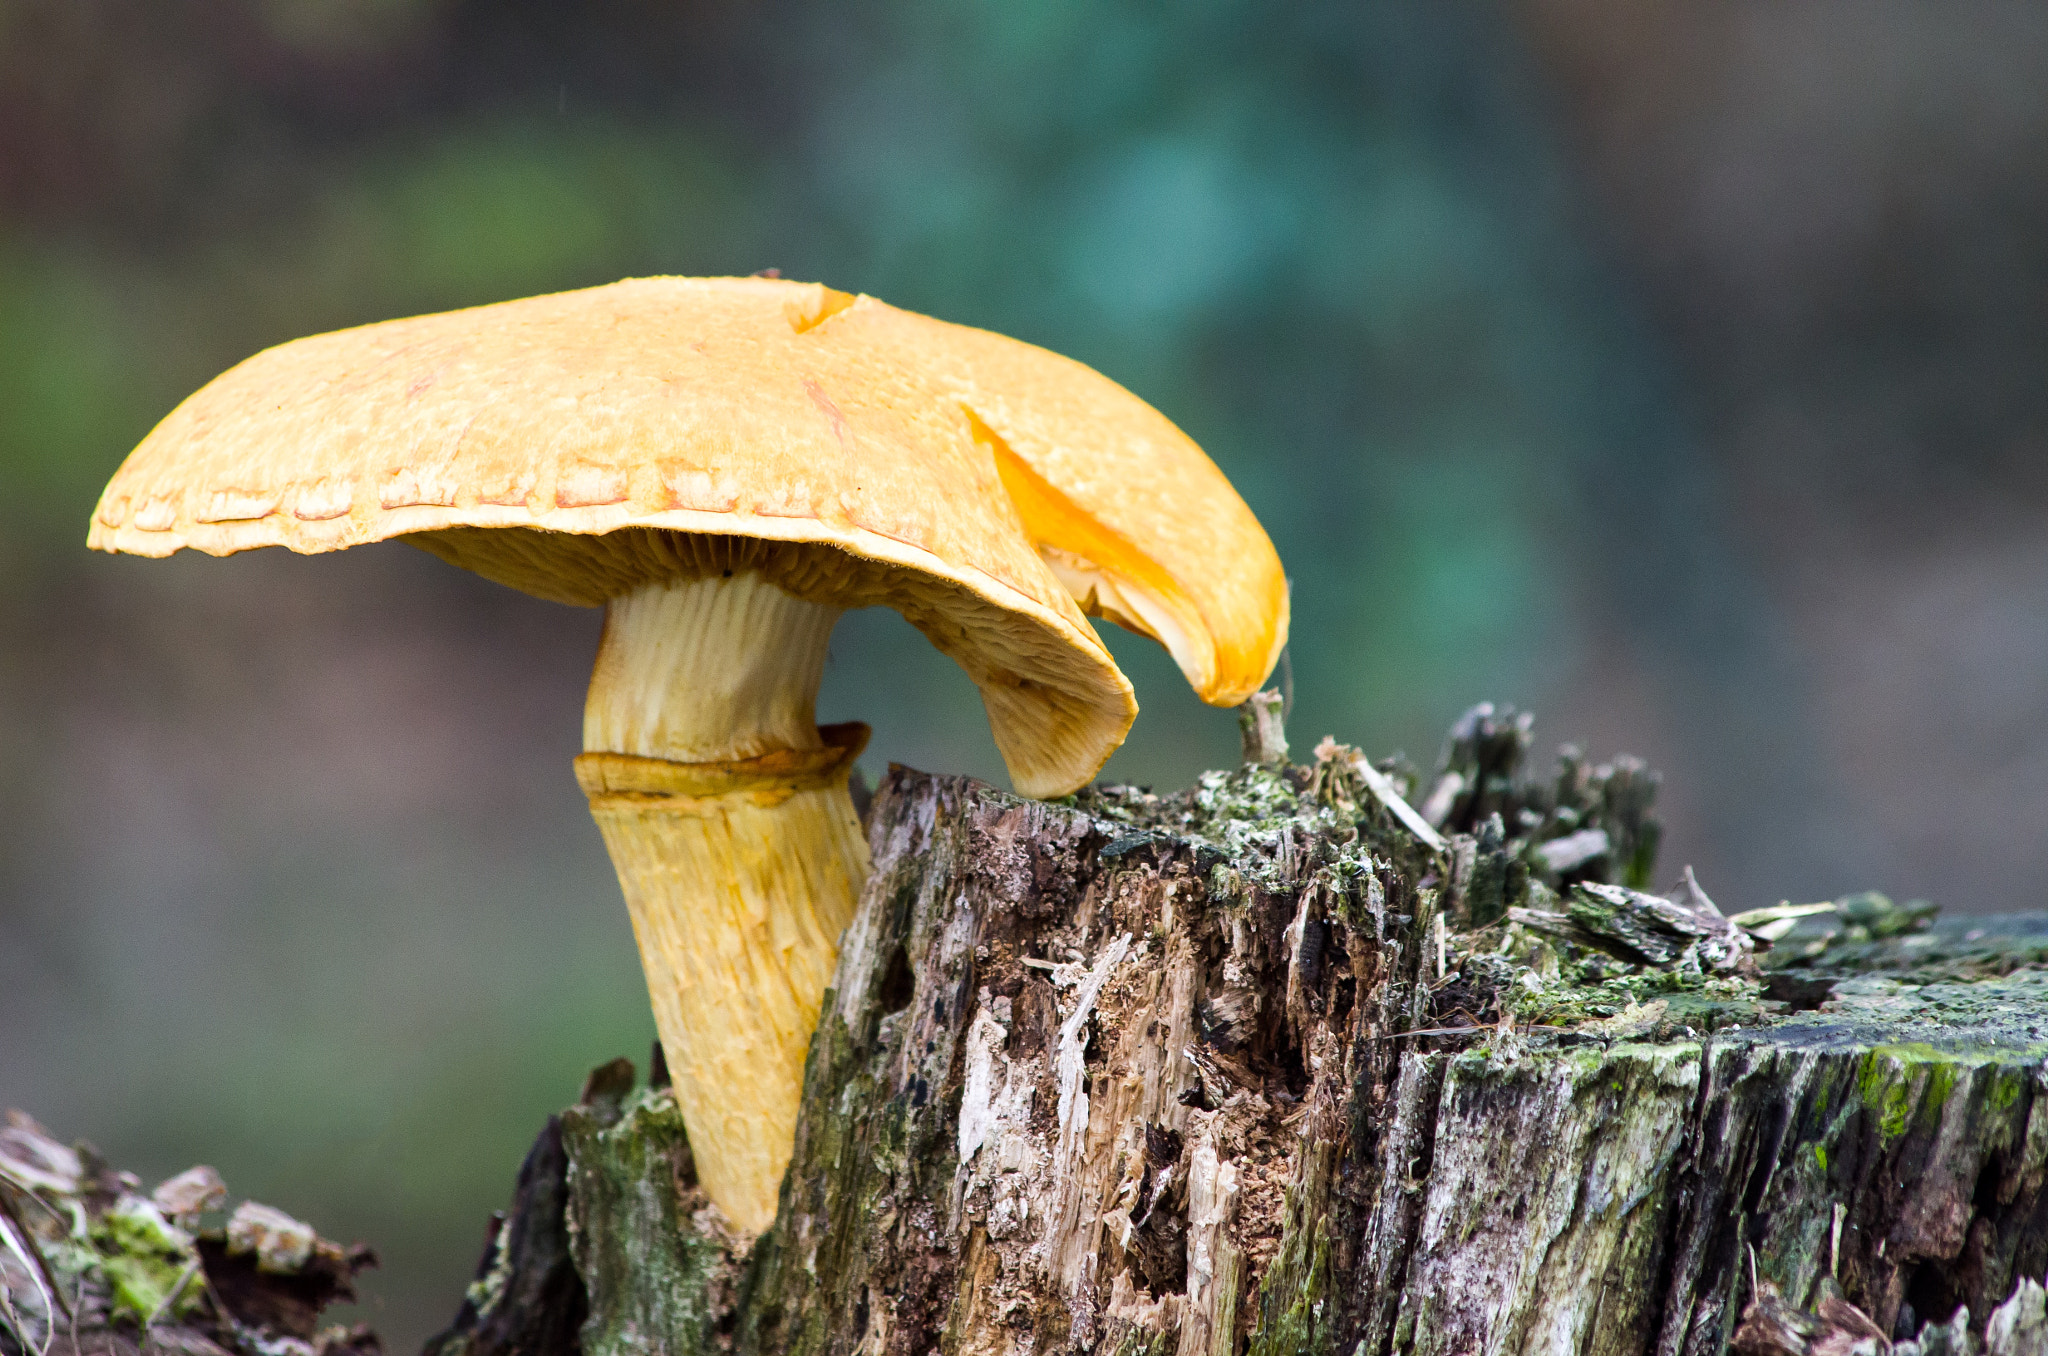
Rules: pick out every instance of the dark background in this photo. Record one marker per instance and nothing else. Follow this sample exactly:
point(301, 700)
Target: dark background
point(1675, 371)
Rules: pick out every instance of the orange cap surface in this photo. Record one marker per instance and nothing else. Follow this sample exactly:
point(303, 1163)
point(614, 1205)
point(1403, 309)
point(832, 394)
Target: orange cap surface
point(977, 484)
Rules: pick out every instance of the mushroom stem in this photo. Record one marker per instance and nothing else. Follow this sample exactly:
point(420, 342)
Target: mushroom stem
point(726, 812)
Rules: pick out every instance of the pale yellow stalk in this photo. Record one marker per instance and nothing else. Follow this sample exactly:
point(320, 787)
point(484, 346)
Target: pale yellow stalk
point(726, 812)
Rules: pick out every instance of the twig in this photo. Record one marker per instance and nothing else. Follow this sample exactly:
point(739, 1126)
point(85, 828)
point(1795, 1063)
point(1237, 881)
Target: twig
point(184, 1279)
point(32, 1192)
point(1382, 786)
point(1436, 1031)
point(1459, 1031)
point(14, 1323)
point(22, 1243)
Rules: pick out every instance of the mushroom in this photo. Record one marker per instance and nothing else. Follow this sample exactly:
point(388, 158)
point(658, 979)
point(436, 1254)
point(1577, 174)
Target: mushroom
point(725, 465)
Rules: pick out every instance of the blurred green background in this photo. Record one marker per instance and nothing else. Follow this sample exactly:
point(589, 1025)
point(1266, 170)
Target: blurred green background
point(1679, 372)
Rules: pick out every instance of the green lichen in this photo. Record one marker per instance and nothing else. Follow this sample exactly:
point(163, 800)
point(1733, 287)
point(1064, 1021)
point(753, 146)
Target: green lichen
point(487, 1291)
point(653, 1276)
point(1251, 798)
point(1942, 1077)
point(1596, 988)
point(148, 1262)
point(1881, 1081)
point(1959, 948)
point(1237, 822)
point(1908, 1084)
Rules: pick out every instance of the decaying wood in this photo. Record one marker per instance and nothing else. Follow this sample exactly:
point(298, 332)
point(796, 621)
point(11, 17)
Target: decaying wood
point(89, 1263)
point(1306, 1059)
point(1257, 1069)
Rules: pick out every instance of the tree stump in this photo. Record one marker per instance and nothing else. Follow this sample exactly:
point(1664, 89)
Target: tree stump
point(1295, 1061)
point(1273, 1066)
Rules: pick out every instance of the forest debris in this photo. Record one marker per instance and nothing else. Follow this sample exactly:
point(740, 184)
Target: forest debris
point(88, 1254)
point(1771, 1326)
point(1259, 723)
point(21, 1248)
point(1482, 754)
point(1212, 1259)
point(1071, 1058)
point(1680, 930)
point(1553, 826)
point(281, 1244)
point(2017, 1326)
point(527, 1297)
point(977, 1094)
point(1631, 1022)
point(1768, 925)
point(1805, 934)
point(1330, 753)
point(30, 1159)
point(1878, 917)
point(1574, 850)
point(193, 1192)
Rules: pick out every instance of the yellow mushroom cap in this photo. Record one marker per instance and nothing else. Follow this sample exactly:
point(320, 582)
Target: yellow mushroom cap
point(1135, 519)
point(936, 459)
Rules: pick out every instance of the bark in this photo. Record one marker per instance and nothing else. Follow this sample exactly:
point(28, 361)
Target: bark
point(1234, 1071)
